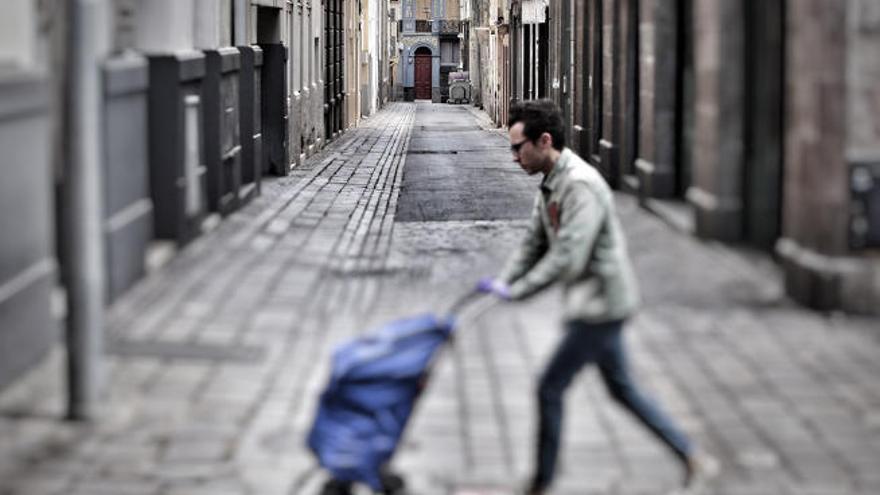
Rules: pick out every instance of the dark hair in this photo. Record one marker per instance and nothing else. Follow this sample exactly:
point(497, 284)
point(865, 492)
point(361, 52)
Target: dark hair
point(538, 117)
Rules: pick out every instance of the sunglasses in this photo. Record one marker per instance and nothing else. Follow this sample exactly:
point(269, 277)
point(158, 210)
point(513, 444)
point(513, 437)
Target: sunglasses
point(514, 148)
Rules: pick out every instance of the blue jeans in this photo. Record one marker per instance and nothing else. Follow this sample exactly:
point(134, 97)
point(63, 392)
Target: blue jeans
point(602, 344)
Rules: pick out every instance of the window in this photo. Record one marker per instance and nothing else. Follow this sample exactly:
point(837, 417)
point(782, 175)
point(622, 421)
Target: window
point(450, 53)
point(317, 60)
point(295, 51)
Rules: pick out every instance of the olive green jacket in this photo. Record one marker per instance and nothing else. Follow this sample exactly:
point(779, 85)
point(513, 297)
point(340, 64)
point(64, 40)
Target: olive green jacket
point(575, 237)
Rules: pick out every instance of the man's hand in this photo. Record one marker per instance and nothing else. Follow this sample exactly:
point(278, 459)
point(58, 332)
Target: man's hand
point(489, 285)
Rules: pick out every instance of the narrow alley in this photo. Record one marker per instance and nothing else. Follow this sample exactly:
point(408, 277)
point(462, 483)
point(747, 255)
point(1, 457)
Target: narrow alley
point(215, 361)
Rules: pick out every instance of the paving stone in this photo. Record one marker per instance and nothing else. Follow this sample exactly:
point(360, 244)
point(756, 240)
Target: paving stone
point(22, 484)
point(116, 487)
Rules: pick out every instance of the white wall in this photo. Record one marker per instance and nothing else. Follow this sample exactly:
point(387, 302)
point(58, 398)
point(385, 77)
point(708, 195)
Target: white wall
point(294, 47)
point(375, 46)
point(318, 32)
point(164, 26)
point(207, 24)
point(18, 34)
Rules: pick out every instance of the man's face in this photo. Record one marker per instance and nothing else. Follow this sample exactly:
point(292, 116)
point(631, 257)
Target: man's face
point(530, 155)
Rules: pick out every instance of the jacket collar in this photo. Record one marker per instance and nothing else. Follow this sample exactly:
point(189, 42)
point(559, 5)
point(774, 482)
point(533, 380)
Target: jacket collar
point(551, 180)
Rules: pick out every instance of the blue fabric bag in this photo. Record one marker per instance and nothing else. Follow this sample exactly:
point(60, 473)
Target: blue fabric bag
point(374, 383)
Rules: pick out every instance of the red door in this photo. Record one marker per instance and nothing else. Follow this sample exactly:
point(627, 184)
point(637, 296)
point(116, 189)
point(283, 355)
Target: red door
point(423, 74)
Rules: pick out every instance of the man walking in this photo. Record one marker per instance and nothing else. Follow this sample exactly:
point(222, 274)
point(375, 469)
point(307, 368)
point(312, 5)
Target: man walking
point(575, 238)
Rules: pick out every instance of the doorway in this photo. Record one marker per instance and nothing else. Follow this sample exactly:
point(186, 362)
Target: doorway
point(423, 62)
point(334, 82)
point(764, 126)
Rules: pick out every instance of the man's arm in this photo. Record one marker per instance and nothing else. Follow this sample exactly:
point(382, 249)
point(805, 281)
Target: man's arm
point(530, 250)
point(582, 214)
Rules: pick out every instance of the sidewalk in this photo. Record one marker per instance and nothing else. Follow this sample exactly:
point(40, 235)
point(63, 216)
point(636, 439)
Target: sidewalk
point(216, 361)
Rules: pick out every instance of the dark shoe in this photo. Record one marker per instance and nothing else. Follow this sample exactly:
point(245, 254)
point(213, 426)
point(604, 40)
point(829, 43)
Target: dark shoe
point(533, 488)
point(699, 469)
point(392, 484)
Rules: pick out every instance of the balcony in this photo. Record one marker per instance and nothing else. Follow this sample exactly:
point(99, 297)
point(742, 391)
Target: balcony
point(439, 26)
point(446, 26)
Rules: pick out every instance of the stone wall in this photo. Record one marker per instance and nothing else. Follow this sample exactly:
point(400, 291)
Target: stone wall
point(716, 191)
point(659, 97)
point(648, 78)
point(609, 142)
point(832, 70)
point(815, 179)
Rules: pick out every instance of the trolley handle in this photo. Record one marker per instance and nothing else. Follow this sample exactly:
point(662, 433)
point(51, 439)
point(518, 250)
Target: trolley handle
point(462, 302)
point(467, 301)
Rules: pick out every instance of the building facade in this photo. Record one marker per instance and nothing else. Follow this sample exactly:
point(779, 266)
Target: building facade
point(429, 48)
point(749, 117)
point(488, 49)
point(178, 109)
point(367, 35)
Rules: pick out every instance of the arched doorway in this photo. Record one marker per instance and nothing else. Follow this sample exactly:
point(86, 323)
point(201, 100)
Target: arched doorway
point(423, 73)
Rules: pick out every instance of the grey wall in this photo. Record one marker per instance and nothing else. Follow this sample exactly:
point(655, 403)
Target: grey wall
point(27, 266)
point(221, 128)
point(250, 129)
point(177, 172)
point(128, 208)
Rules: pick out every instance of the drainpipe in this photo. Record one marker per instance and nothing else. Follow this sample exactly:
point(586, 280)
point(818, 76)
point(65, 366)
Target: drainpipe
point(565, 65)
point(82, 211)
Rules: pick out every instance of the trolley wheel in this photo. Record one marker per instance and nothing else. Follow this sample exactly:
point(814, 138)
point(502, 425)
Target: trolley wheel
point(336, 487)
point(393, 484)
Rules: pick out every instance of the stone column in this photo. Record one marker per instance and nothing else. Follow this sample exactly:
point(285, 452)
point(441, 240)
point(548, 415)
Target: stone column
point(609, 145)
point(554, 61)
point(250, 125)
point(657, 92)
point(516, 51)
point(716, 191)
point(626, 89)
point(298, 89)
point(220, 116)
point(594, 80)
point(435, 72)
point(832, 162)
point(319, 88)
point(580, 75)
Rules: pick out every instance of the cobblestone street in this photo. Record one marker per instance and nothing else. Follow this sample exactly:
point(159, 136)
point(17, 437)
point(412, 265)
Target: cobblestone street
point(216, 360)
